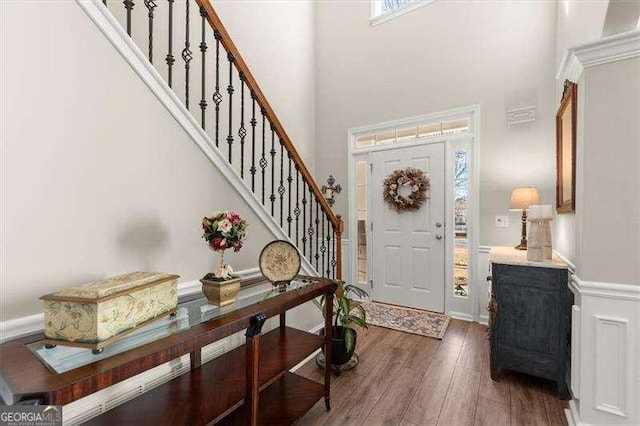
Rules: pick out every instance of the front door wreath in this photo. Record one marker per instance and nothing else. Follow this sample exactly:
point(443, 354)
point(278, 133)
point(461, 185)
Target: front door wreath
point(398, 182)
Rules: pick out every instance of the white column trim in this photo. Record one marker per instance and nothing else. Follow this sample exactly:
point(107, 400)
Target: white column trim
point(608, 290)
point(117, 36)
point(607, 49)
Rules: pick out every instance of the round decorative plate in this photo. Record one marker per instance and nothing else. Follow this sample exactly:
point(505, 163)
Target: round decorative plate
point(279, 261)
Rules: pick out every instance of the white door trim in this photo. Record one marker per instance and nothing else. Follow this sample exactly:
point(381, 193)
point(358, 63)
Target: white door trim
point(472, 112)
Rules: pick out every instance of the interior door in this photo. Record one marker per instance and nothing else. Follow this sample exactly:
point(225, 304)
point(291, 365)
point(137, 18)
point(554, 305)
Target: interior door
point(408, 247)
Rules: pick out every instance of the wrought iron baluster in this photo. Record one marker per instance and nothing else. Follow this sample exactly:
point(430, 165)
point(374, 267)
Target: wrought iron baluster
point(296, 211)
point(263, 159)
point(203, 49)
point(333, 254)
point(150, 5)
point(128, 5)
point(317, 222)
point(230, 91)
point(289, 180)
point(304, 217)
point(253, 142)
point(169, 59)
point(281, 188)
point(187, 56)
point(323, 246)
point(272, 197)
point(242, 132)
point(217, 97)
point(310, 229)
point(104, 2)
point(329, 227)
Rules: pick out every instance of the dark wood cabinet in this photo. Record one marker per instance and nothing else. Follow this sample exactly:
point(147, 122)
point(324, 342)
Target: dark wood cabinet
point(529, 318)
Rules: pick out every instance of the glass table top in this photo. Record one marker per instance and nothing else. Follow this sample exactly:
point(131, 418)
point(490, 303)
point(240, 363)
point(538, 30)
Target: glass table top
point(61, 358)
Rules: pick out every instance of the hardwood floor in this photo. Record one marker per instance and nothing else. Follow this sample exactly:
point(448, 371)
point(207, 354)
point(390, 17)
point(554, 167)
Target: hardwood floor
point(406, 379)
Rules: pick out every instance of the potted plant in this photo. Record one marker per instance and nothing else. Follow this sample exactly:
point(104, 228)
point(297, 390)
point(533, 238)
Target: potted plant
point(222, 230)
point(346, 312)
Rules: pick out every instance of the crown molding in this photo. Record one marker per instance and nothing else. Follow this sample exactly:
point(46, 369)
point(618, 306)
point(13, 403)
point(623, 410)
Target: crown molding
point(605, 50)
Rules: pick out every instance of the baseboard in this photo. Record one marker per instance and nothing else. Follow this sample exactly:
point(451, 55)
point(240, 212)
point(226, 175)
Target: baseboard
point(483, 319)
point(461, 316)
point(571, 413)
point(24, 326)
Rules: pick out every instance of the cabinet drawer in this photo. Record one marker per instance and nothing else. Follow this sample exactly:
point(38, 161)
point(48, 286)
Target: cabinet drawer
point(549, 278)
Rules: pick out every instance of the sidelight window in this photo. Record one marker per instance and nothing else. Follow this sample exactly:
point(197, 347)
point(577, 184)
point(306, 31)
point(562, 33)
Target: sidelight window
point(460, 208)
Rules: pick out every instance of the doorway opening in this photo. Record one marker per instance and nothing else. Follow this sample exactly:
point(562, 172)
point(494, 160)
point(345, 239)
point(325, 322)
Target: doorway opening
point(458, 132)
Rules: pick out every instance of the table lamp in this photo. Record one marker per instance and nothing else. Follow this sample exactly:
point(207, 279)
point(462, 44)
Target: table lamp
point(521, 199)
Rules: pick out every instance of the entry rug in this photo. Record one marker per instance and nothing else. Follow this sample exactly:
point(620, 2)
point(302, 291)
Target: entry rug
point(416, 321)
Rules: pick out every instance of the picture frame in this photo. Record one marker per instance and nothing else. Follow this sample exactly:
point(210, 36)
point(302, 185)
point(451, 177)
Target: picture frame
point(566, 150)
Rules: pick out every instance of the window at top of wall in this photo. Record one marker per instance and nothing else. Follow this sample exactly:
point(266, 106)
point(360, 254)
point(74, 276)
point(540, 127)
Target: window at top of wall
point(407, 134)
point(384, 10)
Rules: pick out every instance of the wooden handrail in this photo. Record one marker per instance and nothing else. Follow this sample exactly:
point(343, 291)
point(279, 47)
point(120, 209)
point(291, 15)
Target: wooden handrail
point(241, 65)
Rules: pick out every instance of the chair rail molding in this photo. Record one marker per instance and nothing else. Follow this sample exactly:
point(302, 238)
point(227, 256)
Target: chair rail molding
point(605, 368)
point(607, 49)
point(117, 36)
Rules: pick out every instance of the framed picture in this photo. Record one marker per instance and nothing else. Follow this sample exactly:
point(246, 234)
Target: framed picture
point(566, 150)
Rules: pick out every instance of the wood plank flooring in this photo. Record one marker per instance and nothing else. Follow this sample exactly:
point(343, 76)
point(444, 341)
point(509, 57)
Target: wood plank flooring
point(410, 380)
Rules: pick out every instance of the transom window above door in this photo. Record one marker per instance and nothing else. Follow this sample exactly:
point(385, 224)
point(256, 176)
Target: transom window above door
point(407, 134)
point(384, 10)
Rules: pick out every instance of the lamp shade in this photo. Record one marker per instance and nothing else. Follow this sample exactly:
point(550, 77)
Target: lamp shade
point(523, 197)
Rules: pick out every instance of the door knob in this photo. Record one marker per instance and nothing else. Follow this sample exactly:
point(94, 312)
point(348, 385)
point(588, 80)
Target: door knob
point(438, 225)
point(438, 237)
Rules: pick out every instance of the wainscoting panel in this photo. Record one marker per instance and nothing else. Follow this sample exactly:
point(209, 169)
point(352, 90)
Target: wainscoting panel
point(611, 364)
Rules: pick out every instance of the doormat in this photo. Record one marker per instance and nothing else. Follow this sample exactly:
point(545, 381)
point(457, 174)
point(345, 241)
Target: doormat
point(416, 321)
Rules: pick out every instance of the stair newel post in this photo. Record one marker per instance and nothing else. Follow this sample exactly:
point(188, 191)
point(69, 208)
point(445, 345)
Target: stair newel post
point(253, 366)
point(328, 319)
point(338, 244)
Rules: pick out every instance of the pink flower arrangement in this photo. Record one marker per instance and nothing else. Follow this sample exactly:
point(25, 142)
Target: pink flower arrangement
point(223, 230)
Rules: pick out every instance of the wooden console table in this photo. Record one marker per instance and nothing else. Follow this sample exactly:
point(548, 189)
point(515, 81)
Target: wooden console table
point(248, 385)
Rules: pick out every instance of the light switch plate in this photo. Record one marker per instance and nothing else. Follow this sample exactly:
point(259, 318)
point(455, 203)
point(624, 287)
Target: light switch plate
point(502, 221)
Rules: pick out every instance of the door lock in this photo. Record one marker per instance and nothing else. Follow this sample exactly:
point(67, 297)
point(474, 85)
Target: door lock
point(438, 225)
point(438, 237)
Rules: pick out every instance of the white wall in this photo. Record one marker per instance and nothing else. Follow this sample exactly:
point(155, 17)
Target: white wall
point(443, 55)
point(276, 38)
point(97, 178)
point(610, 247)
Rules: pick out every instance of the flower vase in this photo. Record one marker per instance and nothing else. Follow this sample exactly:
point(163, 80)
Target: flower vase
point(220, 287)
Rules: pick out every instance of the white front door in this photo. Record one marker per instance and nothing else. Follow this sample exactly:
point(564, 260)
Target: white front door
point(408, 247)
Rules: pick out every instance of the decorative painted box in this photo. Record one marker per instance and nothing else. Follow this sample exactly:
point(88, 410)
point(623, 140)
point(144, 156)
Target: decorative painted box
point(97, 314)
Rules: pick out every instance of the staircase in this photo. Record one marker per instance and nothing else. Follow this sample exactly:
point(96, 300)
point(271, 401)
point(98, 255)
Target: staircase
point(209, 85)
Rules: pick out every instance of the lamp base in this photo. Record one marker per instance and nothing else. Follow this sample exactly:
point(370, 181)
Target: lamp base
point(521, 246)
